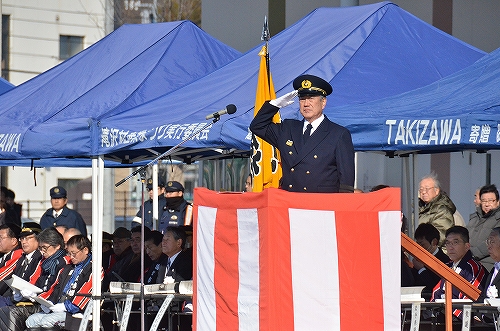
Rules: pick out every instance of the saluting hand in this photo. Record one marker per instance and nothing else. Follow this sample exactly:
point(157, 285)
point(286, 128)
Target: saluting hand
point(284, 100)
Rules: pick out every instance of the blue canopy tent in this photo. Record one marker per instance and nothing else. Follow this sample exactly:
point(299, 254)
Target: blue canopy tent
point(366, 52)
point(132, 65)
point(458, 112)
point(5, 86)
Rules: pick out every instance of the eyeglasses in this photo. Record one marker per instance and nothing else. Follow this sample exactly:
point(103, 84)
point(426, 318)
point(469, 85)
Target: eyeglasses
point(490, 242)
point(44, 248)
point(71, 254)
point(484, 202)
point(425, 189)
point(452, 243)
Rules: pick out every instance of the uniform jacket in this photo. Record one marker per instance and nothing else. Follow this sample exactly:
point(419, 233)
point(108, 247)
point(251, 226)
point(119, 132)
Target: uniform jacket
point(472, 271)
point(148, 211)
point(496, 282)
point(151, 274)
point(427, 277)
point(183, 215)
point(438, 212)
point(324, 164)
point(81, 285)
point(23, 270)
point(46, 280)
point(479, 227)
point(8, 263)
point(181, 268)
point(68, 217)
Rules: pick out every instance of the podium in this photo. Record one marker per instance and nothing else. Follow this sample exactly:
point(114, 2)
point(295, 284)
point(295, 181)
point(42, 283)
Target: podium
point(278, 260)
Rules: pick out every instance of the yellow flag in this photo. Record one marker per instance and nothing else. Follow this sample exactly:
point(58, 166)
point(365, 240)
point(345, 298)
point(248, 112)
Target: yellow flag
point(265, 159)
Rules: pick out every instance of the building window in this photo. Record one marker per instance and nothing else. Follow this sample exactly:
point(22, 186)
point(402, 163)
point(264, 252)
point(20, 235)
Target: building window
point(69, 46)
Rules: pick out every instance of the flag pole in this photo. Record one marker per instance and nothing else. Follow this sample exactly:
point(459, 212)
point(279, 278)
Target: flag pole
point(265, 37)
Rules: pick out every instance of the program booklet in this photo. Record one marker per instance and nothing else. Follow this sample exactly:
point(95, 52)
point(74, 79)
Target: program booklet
point(17, 283)
point(43, 302)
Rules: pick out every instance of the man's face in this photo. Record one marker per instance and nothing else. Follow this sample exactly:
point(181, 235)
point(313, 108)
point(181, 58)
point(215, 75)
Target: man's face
point(489, 201)
point(161, 190)
point(311, 106)
point(173, 194)
point(248, 184)
point(136, 242)
point(77, 255)
point(425, 244)
point(153, 251)
point(477, 198)
point(427, 190)
point(169, 245)
point(29, 243)
point(58, 203)
point(456, 247)
point(6, 243)
point(493, 243)
point(120, 245)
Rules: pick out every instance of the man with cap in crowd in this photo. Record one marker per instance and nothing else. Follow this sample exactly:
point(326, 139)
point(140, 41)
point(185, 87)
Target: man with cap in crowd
point(26, 265)
point(177, 210)
point(317, 155)
point(60, 214)
point(148, 204)
point(121, 259)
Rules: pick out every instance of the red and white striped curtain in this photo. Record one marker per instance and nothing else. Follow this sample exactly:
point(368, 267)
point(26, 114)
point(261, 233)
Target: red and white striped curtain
point(279, 260)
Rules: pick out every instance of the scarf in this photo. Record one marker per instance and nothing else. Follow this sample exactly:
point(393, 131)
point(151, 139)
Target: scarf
point(50, 264)
point(174, 203)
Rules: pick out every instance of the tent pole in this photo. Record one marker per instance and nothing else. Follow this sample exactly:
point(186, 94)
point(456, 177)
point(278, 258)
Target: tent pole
point(97, 219)
point(155, 196)
point(414, 192)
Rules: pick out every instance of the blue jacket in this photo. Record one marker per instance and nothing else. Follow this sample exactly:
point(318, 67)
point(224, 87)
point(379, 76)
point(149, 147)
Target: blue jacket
point(68, 217)
point(324, 164)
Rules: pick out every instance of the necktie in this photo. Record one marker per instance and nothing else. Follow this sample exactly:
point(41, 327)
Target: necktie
point(307, 133)
point(165, 281)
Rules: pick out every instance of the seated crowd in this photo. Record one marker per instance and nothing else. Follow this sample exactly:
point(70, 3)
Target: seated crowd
point(472, 250)
point(62, 268)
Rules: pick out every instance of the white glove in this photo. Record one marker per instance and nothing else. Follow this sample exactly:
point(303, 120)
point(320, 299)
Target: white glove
point(284, 100)
point(27, 294)
point(58, 308)
point(16, 294)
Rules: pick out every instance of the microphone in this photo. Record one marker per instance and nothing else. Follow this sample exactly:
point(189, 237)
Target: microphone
point(230, 109)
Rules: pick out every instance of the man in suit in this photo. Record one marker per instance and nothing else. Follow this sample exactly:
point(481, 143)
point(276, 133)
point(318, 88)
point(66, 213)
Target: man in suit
point(493, 281)
point(60, 214)
point(427, 236)
point(179, 264)
point(317, 155)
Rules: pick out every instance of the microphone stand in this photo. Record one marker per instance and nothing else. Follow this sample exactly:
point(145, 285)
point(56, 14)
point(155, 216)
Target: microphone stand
point(142, 172)
point(170, 151)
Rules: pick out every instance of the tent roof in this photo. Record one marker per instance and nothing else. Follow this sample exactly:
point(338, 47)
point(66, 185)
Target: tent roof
point(366, 52)
point(459, 112)
point(56, 110)
point(5, 85)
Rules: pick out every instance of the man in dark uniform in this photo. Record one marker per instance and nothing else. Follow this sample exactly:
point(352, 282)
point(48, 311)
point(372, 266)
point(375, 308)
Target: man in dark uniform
point(27, 264)
point(177, 210)
point(148, 205)
point(60, 214)
point(317, 155)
